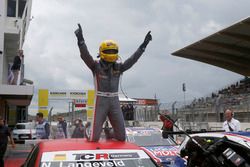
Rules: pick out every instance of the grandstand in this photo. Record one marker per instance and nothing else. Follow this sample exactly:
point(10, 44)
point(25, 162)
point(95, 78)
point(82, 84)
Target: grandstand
point(228, 49)
point(211, 108)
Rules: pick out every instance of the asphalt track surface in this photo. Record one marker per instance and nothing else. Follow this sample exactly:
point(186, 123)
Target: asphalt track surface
point(16, 157)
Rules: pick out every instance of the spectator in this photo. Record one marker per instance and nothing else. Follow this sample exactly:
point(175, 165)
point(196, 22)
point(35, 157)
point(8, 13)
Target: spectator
point(79, 129)
point(13, 76)
point(124, 111)
point(42, 127)
point(231, 124)
point(4, 134)
point(130, 112)
point(61, 132)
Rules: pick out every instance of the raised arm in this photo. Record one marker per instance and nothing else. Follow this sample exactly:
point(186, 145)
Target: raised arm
point(86, 57)
point(133, 59)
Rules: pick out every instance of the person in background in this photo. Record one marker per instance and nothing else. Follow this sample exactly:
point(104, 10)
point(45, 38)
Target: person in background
point(231, 124)
point(4, 135)
point(79, 129)
point(167, 123)
point(61, 132)
point(42, 127)
point(13, 77)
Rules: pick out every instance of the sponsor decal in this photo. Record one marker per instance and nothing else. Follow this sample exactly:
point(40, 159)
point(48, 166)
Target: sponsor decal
point(163, 151)
point(77, 93)
point(93, 155)
point(68, 94)
point(57, 93)
point(60, 157)
point(80, 102)
point(105, 156)
point(116, 163)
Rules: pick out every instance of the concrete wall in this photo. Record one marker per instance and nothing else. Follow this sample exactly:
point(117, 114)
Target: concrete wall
point(194, 126)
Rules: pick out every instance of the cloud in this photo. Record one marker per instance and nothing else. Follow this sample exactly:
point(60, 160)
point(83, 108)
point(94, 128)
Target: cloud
point(52, 57)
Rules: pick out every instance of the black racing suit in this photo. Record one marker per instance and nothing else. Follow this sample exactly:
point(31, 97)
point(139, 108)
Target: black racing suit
point(106, 79)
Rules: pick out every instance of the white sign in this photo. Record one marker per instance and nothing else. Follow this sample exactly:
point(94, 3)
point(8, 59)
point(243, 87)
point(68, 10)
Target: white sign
point(81, 94)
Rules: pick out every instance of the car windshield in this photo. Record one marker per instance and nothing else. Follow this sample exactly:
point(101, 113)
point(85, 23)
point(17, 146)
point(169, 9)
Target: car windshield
point(150, 139)
point(20, 126)
point(93, 158)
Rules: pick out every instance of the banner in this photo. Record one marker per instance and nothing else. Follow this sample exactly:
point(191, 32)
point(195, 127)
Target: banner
point(90, 104)
point(43, 97)
point(81, 98)
point(57, 95)
point(43, 101)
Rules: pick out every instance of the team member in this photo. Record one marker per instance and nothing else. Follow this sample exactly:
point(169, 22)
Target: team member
point(106, 74)
point(167, 123)
point(42, 127)
point(231, 124)
point(61, 132)
point(4, 134)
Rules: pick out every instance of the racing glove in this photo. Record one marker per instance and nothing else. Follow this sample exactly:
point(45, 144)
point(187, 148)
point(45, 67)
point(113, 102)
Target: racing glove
point(148, 38)
point(79, 35)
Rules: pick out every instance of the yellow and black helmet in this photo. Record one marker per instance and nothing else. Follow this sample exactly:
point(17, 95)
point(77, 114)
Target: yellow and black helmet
point(108, 51)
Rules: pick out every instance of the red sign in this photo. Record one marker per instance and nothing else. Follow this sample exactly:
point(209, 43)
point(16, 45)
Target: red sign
point(80, 103)
point(146, 101)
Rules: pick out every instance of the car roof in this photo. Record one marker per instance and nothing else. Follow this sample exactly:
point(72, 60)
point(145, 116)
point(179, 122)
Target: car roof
point(83, 144)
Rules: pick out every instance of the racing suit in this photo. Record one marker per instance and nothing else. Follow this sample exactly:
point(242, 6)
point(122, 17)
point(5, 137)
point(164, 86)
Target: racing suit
point(106, 79)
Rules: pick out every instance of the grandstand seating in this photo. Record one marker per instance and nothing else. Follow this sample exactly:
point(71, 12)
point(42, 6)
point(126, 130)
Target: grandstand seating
point(235, 96)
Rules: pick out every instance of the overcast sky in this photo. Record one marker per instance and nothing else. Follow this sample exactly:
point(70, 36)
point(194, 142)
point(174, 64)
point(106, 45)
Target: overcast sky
point(52, 57)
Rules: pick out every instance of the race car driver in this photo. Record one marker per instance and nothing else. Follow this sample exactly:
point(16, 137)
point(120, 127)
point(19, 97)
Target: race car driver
point(106, 73)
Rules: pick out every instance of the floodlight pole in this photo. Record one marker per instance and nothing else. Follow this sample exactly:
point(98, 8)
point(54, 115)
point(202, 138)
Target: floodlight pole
point(184, 90)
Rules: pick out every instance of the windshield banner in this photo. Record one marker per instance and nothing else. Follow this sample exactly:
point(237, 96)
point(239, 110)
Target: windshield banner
point(91, 158)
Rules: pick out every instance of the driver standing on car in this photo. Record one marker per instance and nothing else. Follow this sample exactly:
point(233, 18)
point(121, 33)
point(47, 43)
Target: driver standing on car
point(106, 72)
point(231, 124)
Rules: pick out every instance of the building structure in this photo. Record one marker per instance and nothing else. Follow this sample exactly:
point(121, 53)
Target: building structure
point(14, 23)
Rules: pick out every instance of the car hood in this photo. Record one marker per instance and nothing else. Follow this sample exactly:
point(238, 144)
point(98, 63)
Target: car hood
point(167, 155)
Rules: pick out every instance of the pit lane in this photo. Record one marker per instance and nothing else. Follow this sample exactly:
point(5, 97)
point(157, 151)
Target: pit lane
point(17, 156)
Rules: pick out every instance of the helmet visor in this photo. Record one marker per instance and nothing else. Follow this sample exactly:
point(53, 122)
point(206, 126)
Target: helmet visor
point(110, 51)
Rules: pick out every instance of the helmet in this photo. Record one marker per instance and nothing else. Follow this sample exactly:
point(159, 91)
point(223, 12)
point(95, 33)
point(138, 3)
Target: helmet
point(108, 51)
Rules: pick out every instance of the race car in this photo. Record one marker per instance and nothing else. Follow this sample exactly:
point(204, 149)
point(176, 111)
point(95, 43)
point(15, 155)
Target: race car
point(215, 136)
point(219, 149)
point(164, 151)
point(82, 153)
point(242, 133)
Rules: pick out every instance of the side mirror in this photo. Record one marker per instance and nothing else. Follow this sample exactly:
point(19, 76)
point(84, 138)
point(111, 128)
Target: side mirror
point(164, 134)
